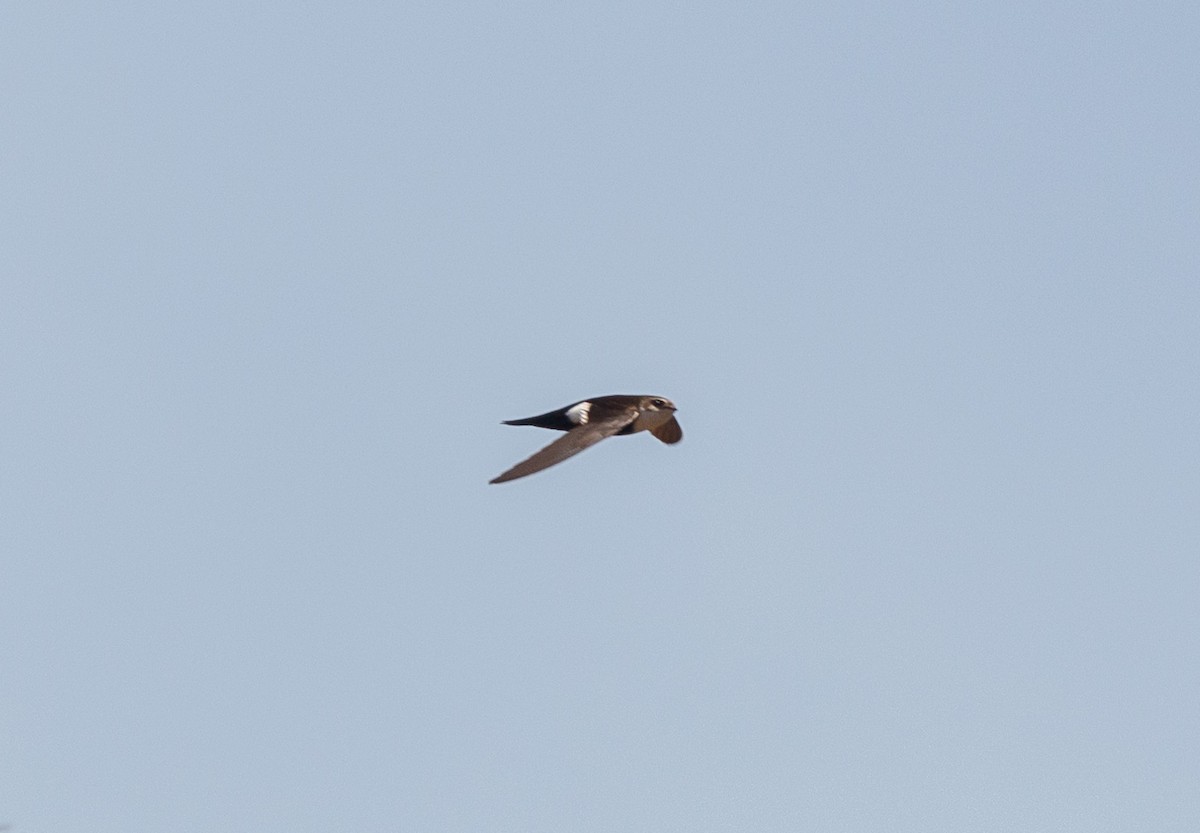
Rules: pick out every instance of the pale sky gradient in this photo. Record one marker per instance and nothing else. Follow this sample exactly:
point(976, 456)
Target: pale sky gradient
point(923, 279)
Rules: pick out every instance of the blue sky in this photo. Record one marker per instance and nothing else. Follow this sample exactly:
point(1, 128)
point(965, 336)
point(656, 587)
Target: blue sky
point(921, 278)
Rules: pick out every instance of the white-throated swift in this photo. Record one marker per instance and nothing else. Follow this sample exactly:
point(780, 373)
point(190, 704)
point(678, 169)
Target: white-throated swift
point(592, 420)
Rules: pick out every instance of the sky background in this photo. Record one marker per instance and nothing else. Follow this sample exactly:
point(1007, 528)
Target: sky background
point(923, 279)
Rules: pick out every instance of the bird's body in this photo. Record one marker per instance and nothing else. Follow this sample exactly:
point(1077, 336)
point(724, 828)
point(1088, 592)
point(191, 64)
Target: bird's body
point(591, 420)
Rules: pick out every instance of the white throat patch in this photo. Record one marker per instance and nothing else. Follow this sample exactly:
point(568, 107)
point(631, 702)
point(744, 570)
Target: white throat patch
point(578, 414)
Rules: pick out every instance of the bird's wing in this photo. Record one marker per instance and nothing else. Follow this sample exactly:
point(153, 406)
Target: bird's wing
point(571, 443)
point(669, 432)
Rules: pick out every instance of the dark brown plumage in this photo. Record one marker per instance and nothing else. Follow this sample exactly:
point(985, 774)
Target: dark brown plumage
point(592, 420)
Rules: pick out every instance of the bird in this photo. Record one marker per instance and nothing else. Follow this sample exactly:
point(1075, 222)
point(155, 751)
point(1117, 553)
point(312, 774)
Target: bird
point(591, 420)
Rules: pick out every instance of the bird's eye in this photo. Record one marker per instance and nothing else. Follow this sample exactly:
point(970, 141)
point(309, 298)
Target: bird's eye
point(658, 403)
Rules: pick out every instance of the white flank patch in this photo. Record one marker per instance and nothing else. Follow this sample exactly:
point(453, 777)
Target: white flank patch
point(578, 414)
